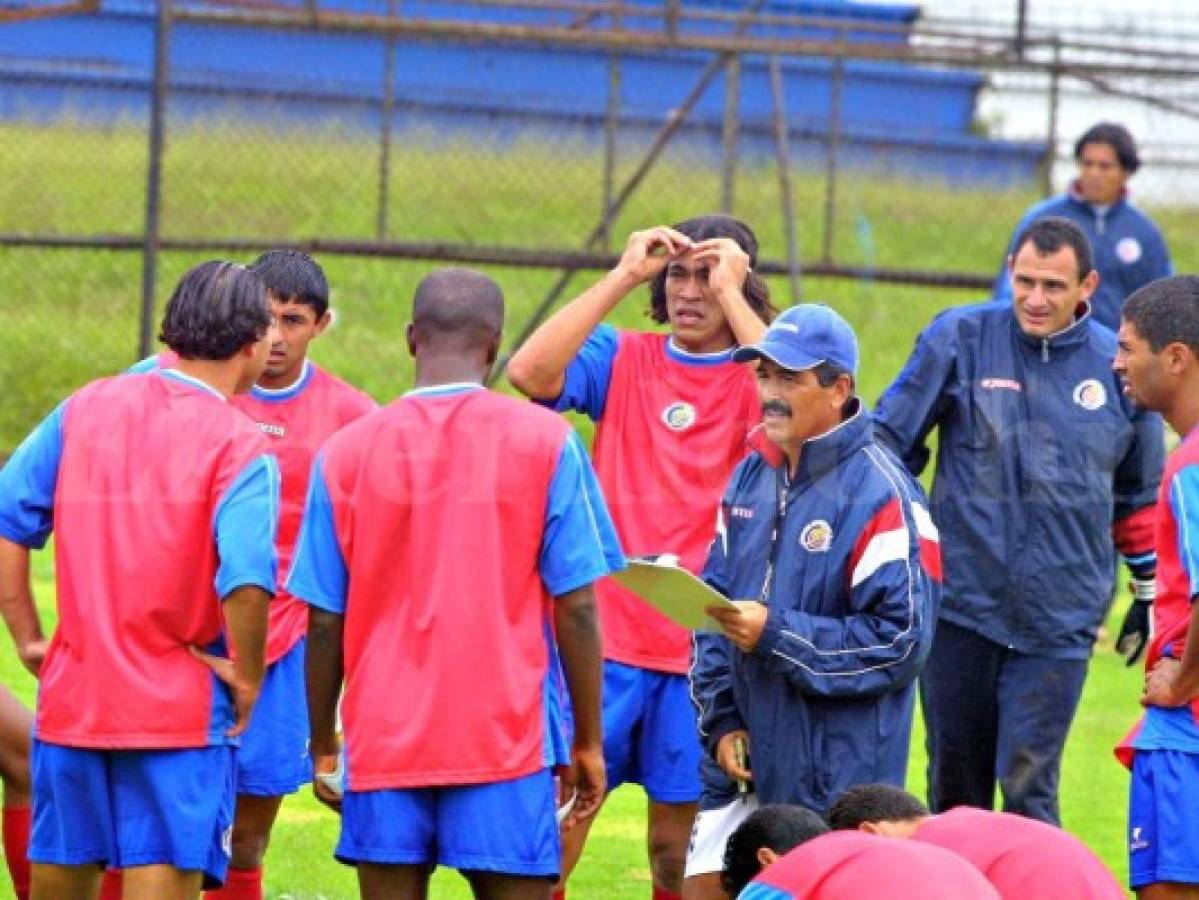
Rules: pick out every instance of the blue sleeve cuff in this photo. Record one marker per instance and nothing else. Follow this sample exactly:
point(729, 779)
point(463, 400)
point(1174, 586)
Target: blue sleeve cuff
point(28, 482)
point(246, 521)
point(319, 575)
point(585, 389)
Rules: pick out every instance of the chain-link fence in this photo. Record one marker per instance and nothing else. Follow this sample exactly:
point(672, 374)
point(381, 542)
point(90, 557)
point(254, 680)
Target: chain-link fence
point(527, 139)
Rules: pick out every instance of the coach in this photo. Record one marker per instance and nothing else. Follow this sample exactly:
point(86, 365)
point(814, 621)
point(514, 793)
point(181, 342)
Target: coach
point(1128, 250)
point(1041, 463)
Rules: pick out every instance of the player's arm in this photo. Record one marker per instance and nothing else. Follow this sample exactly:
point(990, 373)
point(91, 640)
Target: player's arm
point(1170, 683)
point(1134, 488)
point(728, 267)
point(918, 398)
point(27, 487)
point(319, 576)
point(246, 522)
point(578, 547)
point(538, 368)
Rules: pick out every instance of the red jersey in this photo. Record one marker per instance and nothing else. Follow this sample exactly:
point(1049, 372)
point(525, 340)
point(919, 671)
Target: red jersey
point(851, 865)
point(296, 421)
point(441, 527)
point(672, 426)
point(163, 499)
point(1023, 858)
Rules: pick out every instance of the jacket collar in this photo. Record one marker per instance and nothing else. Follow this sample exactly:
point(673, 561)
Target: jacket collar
point(1072, 335)
point(820, 453)
point(1076, 195)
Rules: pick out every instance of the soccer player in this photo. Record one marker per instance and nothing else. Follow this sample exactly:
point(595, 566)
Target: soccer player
point(448, 549)
point(827, 551)
point(850, 866)
point(1023, 858)
point(673, 411)
point(297, 405)
point(1158, 362)
point(163, 500)
point(1043, 471)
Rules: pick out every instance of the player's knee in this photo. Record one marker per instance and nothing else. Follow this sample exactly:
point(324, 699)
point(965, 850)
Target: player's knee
point(249, 848)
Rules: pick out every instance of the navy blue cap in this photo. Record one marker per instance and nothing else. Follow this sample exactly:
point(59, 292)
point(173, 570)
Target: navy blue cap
point(805, 336)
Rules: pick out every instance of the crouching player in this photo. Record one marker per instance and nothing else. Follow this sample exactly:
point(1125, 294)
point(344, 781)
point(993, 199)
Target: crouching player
point(163, 500)
point(448, 549)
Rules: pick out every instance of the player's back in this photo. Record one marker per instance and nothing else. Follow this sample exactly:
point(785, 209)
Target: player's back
point(146, 461)
point(1024, 859)
point(439, 502)
point(851, 865)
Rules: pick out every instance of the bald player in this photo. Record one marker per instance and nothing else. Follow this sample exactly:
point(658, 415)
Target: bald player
point(446, 617)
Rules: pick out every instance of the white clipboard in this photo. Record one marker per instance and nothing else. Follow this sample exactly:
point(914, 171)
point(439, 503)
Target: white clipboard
point(669, 588)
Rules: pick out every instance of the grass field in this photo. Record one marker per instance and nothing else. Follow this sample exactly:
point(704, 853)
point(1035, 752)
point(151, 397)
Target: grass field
point(71, 316)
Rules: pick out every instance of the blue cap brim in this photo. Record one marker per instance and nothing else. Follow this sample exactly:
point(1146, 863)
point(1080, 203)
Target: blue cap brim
point(779, 354)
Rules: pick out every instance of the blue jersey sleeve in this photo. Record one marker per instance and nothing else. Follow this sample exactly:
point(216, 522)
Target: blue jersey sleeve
point(319, 575)
point(28, 481)
point(579, 545)
point(1184, 504)
point(149, 364)
point(589, 373)
point(246, 521)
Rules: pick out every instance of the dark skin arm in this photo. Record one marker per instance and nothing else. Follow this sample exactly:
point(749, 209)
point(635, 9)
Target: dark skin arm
point(325, 669)
point(17, 606)
point(245, 621)
point(1171, 683)
point(577, 630)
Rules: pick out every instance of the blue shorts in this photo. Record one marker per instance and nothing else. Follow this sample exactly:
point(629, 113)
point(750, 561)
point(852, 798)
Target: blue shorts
point(507, 827)
point(125, 808)
point(1163, 818)
point(650, 733)
point(273, 759)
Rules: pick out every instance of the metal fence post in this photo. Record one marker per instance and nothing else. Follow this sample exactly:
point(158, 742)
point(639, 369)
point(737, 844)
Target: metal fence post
point(832, 151)
point(1055, 77)
point(389, 89)
point(730, 136)
point(783, 154)
point(611, 126)
point(152, 234)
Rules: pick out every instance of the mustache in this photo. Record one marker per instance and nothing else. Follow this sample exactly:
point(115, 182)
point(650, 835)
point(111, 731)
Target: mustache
point(776, 406)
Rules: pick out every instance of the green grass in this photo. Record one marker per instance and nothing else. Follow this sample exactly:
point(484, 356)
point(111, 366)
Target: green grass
point(72, 316)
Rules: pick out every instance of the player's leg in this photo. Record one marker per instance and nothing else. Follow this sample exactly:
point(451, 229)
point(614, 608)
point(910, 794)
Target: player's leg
point(958, 695)
point(161, 883)
point(1037, 699)
point(16, 726)
point(385, 882)
point(391, 837)
point(273, 761)
point(503, 836)
point(1163, 825)
point(624, 702)
point(709, 837)
point(669, 753)
point(72, 836)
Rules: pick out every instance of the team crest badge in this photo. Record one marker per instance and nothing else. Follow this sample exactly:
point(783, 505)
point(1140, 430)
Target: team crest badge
point(817, 536)
point(678, 416)
point(1090, 394)
point(1128, 250)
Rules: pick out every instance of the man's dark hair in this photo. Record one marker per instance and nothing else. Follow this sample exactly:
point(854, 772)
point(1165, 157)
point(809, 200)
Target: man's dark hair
point(1051, 234)
point(780, 827)
point(459, 306)
point(827, 374)
point(1115, 136)
point(874, 803)
point(216, 309)
point(294, 275)
point(1166, 311)
point(702, 228)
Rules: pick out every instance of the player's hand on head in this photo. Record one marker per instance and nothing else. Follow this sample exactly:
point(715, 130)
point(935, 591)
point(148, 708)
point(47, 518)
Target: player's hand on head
point(731, 758)
point(33, 654)
point(244, 692)
point(726, 262)
point(586, 779)
point(648, 252)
